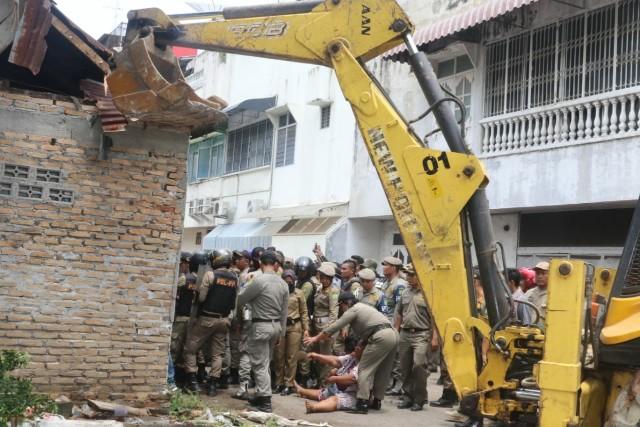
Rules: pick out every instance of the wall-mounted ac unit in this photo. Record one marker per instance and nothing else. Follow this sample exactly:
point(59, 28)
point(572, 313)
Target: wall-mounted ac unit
point(256, 205)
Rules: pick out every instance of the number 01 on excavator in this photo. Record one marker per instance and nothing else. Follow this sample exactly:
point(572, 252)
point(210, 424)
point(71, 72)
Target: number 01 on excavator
point(575, 368)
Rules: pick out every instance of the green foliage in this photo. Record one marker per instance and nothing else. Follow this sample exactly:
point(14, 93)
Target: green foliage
point(17, 398)
point(182, 404)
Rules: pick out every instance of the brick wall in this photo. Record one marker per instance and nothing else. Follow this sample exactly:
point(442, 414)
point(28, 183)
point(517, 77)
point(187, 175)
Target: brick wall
point(87, 279)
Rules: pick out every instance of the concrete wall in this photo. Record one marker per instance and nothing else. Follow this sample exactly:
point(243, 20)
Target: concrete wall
point(86, 287)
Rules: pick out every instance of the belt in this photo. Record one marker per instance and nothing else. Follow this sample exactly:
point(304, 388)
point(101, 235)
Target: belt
point(291, 322)
point(214, 315)
point(322, 320)
point(414, 330)
point(264, 320)
point(374, 330)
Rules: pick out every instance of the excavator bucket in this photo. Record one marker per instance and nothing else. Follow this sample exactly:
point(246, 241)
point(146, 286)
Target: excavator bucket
point(147, 84)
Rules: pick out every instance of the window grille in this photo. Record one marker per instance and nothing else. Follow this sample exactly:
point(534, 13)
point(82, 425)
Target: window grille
point(325, 117)
point(249, 146)
point(16, 171)
point(30, 191)
point(48, 175)
point(285, 150)
point(595, 52)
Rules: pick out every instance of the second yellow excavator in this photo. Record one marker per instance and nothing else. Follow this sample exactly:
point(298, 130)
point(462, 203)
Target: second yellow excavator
point(533, 375)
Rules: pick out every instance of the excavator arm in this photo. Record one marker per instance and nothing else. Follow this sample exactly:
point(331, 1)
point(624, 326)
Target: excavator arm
point(433, 194)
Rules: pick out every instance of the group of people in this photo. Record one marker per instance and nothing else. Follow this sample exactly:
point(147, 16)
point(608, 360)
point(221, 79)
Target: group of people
point(339, 335)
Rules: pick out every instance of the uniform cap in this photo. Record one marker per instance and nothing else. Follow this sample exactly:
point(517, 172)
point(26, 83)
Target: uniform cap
point(542, 265)
point(370, 264)
point(346, 297)
point(327, 269)
point(408, 268)
point(366, 274)
point(391, 260)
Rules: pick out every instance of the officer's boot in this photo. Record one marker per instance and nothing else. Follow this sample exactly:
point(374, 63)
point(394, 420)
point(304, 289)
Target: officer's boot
point(396, 390)
point(362, 407)
point(447, 400)
point(192, 383)
point(375, 404)
point(223, 382)
point(243, 391)
point(212, 389)
point(263, 404)
point(234, 378)
point(472, 422)
point(202, 374)
point(180, 377)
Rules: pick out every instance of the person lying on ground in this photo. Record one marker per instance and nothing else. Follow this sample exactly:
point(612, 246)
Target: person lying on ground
point(341, 385)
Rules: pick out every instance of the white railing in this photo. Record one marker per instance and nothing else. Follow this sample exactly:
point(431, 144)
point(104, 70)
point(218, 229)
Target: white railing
point(605, 116)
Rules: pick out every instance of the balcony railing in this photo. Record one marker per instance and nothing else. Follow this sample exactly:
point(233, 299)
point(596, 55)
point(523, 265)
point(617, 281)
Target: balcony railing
point(601, 117)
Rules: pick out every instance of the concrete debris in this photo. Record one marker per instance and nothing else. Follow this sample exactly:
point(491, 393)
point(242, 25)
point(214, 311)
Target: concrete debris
point(116, 409)
point(264, 418)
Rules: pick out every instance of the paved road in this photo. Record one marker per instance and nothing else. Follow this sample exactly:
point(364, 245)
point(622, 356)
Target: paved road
point(293, 407)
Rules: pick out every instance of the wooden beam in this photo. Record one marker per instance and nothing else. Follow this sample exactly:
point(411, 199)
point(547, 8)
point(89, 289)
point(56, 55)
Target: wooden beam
point(80, 45)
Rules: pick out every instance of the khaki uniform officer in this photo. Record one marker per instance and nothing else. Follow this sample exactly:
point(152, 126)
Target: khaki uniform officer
point(381, 342)
point(268, 296)
point(297, 328)
point(393, 286)
point(415, 324)
point(371, 295)
point(325, 313)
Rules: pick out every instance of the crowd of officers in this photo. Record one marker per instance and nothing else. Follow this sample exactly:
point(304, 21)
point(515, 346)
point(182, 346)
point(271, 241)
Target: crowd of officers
point(258, 319)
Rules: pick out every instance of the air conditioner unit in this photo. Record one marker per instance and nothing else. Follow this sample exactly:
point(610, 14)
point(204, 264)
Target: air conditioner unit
point(199, 206)
point(225, 210)
point(210, 204)
point(256, 205)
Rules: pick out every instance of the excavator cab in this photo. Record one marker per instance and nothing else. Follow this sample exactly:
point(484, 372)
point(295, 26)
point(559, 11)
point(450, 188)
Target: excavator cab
point(619, 327)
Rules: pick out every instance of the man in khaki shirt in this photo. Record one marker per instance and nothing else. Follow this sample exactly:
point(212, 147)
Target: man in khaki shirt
point(381, 340)
point(325, 313)
point(538, 295)
point(414, 322)
point(297, 328)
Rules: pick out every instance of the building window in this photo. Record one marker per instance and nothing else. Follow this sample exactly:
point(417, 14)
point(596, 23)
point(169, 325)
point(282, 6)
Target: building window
point(607, 228)
point(592, 53)
point(198, 238)
point(250, 146)
point(192, 207)
point(206, 158)
point(285, 150)
point(325, 117)
point(455, 76)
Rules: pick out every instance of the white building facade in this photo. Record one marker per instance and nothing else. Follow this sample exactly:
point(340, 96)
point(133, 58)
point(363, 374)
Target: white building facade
point(552, 109)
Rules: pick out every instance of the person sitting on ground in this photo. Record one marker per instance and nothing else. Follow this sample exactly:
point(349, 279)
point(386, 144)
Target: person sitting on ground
point(341, 384)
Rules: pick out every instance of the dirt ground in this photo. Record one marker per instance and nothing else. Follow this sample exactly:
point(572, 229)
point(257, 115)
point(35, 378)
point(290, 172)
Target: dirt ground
point(293, 407)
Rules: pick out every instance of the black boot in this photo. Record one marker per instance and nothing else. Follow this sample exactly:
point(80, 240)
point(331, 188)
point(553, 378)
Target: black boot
point(202, 374)
point(223, 382)
point(243, 392)
point(287, 391)
point(212, 389)
point(261, 403)
point(447, 400)
point(234, 377)
point(278, 389)
point(192, 383)
point(375, 404)
point(406, 403)
point(362, 407)
point(180, 377)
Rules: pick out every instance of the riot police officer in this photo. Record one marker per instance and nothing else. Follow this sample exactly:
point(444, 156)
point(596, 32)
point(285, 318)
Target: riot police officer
point(217, 297)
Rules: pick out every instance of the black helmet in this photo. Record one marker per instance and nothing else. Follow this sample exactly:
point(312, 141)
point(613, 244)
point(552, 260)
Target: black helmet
point(196, 260)
point(184, 256)
point(304, 268)
point(220, 258)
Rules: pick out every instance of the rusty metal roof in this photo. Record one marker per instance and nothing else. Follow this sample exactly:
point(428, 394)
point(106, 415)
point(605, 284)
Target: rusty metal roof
point(29, 45)
point(112, 119)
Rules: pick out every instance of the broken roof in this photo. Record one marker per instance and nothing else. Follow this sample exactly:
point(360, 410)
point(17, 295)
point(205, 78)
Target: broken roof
point(41, 49)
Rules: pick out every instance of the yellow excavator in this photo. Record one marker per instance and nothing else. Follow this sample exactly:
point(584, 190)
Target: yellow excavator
point(577, 368)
